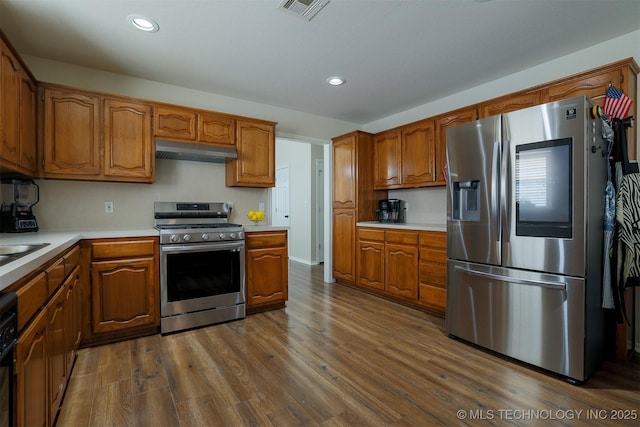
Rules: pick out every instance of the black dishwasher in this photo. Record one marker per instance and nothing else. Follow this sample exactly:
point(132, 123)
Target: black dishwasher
point(8, 338)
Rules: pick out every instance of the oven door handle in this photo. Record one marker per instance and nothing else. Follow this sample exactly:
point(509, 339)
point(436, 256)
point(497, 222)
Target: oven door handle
point(206, 247)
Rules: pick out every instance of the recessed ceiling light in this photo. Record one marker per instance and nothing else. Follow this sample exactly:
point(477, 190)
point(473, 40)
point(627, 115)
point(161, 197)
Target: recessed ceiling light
point(336, 80)
point(143, 23)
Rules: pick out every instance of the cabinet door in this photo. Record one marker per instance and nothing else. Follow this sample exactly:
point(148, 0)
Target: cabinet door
point(174, 123)
point(418, 153)
point(443, 123)
point(71, 134)
point(9, 107)
point(344, 172)
point(127, 139)
point(256, 162)
point(387, 160)
point(594, 86)
point(401, 264)
point(56, 340)
point(509, 103)
point(111, 281)
point(344, 236)
point(72, 318)
point(28, 161)
point(267, 276)
point(370, 258)
point(216, 129)
point(32, 407)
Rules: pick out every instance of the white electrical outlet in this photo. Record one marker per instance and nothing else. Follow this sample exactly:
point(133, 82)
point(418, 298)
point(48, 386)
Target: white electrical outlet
point(261, 207)
point(108, 207)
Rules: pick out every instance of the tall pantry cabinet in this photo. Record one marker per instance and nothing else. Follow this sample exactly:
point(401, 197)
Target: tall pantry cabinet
point(354, 198)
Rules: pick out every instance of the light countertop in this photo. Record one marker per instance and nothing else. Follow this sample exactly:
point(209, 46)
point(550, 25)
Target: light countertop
point(404, 226)
point(59, 242)
point(266, 227)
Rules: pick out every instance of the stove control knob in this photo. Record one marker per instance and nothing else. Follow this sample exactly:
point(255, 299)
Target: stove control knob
point(232, 235)
point(205, 236)
point(174, 238)
point(186, 237)
point(223, 236)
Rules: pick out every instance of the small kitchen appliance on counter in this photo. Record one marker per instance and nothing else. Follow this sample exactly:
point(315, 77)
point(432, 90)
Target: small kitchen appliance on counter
point(390, 210)
point(18, 198)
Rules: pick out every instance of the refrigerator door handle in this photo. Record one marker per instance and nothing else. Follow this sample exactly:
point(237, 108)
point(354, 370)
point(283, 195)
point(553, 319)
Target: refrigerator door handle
point(495, 191)
point(505, 184)
point(561, 286)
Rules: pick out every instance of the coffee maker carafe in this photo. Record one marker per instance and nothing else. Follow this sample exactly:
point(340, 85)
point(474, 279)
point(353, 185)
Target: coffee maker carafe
point(390, 210)
point(18, 197)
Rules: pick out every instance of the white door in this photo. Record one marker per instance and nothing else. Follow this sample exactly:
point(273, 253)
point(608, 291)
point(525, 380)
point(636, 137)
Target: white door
point(280, 200)
point(320, 210)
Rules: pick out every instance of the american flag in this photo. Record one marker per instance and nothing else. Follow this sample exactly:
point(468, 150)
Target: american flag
point(616, 103)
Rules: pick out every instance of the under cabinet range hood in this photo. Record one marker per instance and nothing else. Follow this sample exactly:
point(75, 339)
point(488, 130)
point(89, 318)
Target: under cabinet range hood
point(196, 152)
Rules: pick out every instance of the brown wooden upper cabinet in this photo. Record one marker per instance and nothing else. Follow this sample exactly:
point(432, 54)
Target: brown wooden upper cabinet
point(17, 115)
point(405, 157)
point(185, 124)
point(174, 123)
point(128, 145)
point(71, 135)
point(344, 171)
point(508, 103)
point(91, 137)
point(443, 123)
point(387, 159)
point(216, 129)
point(256, 162)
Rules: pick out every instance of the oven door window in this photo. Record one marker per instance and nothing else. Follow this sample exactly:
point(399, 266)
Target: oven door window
point(543, 189)
point(202, 274)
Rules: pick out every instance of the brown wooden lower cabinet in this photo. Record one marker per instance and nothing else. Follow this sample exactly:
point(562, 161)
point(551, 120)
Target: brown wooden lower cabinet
point(432, 276)
point(408, 266)
point(49, 337)
point(32, 406)
point(267, 270)
point(124, 287)
point(56, 350)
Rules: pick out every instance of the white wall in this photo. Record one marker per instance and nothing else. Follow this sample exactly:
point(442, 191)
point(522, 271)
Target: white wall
point(300, 157)
point(79, 205)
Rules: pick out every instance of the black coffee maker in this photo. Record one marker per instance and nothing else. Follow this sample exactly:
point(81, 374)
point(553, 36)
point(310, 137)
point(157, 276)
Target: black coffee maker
point(390, 210)
point(18, 197)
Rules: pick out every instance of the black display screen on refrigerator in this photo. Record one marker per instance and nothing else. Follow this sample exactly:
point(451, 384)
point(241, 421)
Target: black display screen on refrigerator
point(544, 188)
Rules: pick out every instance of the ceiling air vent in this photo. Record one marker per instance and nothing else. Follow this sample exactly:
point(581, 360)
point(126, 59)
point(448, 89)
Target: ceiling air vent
point(306, 9)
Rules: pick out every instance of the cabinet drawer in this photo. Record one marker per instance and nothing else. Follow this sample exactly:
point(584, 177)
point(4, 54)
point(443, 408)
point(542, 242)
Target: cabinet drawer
point(124, 249)
point(55, 275)
point(71, 260)
point(433, 297)
point(370, 234)
point(31, 297)
point(402, 237)
point(433, 273)
point(266, 239)
point(435, 240)
point(433, 255)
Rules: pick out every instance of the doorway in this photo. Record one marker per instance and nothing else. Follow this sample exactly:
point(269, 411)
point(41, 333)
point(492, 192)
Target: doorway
point(280, 198)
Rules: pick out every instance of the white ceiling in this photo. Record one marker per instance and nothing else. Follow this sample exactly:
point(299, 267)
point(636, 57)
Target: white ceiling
point(395, 54)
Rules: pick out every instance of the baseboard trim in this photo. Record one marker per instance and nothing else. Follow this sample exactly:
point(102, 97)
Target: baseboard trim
point(303, 261)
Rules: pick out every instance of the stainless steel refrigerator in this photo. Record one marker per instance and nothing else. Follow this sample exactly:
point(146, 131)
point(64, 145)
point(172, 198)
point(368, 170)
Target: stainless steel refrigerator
point(525, 212)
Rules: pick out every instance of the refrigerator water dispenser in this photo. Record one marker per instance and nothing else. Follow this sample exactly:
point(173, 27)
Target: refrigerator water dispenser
point(466, 198)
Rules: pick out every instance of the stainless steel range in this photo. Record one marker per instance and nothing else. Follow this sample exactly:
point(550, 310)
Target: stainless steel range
point(202, 264)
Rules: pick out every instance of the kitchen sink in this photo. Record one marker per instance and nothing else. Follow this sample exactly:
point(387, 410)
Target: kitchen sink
point(9, 253)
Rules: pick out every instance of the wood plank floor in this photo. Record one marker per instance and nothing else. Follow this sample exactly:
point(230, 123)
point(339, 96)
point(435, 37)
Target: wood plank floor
point(333, 357)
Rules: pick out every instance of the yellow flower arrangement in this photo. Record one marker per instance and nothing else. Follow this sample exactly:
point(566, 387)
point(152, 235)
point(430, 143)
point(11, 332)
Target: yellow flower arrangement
point(255, 216)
